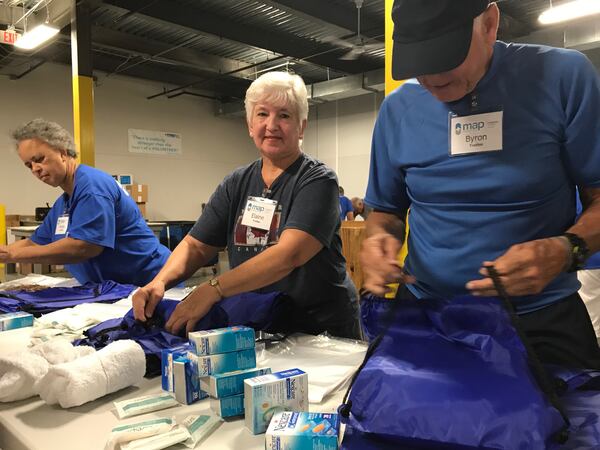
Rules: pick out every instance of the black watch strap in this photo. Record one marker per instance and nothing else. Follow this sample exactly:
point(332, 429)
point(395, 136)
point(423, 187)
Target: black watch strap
point(579, 252)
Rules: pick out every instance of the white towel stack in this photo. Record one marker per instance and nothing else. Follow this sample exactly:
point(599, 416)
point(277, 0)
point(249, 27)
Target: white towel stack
point(118, 365)
point(21, 372)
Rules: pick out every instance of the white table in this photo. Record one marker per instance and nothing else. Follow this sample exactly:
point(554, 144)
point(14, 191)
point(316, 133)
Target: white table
point(32, 424)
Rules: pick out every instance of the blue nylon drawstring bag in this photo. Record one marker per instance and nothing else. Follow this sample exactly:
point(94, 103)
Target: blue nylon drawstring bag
point(55, 298)
point(446, 374)
point(267, 312)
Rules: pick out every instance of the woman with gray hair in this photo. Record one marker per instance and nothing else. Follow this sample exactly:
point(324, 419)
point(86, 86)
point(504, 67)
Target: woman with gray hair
point(94, 228)
point(278, 218)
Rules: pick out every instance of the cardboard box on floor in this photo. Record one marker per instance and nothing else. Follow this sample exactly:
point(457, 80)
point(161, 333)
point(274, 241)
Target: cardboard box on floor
point(142, 207)
point(27, 268)
point(138, 192)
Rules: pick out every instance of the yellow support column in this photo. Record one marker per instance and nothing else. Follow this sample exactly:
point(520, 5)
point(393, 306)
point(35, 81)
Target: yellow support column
point(83, 82)
point(390, 85)
point(2, 239)
point(83, 118)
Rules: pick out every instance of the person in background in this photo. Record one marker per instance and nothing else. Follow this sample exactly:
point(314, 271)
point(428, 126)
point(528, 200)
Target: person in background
point(278, 218)
point(346, 211)
point(360, 208)
point(487, 147)
point(589, 277)
point(94, 228)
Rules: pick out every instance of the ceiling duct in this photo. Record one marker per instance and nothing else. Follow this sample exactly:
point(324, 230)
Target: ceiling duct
point(324, 91)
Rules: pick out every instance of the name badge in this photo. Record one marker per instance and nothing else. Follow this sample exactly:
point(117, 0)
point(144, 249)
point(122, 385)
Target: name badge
point(62, 224)
point(259, 212)
point(475, 133)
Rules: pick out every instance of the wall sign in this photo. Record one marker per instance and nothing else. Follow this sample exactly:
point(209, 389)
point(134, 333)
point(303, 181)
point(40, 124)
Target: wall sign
point(154, 142)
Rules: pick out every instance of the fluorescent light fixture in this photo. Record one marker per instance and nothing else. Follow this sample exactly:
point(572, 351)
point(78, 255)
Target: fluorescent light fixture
point(571, 10)
point(36, 36)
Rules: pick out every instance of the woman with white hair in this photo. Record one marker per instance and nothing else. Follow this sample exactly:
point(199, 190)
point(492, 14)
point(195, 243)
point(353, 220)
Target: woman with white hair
point(94, 228)
point(278, 218)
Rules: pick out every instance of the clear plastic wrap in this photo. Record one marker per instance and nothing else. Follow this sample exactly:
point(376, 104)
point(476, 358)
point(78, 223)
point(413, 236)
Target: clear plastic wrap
point(328, 361)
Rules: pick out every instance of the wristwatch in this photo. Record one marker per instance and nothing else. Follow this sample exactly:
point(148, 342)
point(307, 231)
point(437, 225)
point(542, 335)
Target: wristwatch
point(214, 282)
point(579, 252)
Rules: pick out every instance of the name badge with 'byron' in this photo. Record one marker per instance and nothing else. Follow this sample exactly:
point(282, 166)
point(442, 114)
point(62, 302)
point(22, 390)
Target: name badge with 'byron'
point(476, 133)
point(259, 212)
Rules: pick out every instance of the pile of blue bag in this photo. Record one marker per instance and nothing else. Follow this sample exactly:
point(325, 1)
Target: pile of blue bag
point(454, 374)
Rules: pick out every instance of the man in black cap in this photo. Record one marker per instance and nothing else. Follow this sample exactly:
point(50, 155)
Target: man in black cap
point(487, 146)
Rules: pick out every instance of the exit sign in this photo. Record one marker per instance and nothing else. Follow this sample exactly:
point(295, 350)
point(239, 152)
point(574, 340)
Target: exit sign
point(9, 37)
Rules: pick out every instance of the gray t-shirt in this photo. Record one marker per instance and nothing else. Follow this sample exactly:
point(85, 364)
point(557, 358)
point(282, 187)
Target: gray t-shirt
point(307, 200)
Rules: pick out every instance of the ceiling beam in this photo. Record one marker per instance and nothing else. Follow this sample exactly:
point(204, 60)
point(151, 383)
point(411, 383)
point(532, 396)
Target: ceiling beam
point(203, 21)
point(151, 50)
point(344, 17)
point(221, 87)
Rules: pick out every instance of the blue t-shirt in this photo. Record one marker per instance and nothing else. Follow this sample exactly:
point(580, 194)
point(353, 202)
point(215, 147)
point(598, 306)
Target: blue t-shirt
point(468, 209)
point(345, 207)
point(307, 199)
point(102, 213)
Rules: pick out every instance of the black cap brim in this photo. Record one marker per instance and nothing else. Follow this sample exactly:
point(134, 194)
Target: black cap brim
point(437, 55)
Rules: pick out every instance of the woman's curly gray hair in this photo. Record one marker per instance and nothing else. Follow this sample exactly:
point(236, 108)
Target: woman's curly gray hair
point(49, 132)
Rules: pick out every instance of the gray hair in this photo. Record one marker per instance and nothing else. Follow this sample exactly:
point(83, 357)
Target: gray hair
point(49, 132)
point(278, 88)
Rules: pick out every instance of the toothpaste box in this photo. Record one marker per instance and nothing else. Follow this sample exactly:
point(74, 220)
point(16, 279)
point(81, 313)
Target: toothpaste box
point(221, 340)
point(228, 406)
point(302, 431)
point(230, 383)
point(10, 321)
point(168, 355)
point(186, 382)
point(273, 393)
point(223, 362)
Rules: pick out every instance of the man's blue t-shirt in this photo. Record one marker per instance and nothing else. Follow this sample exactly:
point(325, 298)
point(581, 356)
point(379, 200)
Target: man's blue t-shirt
point(102, 213)
point(345, 207)
point(468, 209)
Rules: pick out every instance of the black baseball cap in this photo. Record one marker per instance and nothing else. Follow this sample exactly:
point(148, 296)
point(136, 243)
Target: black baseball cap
point(432, 36)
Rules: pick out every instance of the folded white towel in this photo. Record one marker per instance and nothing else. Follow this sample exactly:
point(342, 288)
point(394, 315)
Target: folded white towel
point(59, 351)
point(19, 374)
point(116, 366)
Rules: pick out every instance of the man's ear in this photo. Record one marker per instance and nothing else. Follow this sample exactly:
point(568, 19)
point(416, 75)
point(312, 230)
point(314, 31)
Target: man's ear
point(491, 21)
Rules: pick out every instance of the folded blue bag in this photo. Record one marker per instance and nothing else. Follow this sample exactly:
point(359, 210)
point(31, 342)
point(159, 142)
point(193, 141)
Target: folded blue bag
point(259, 311)
point(446, 374)
point(55, 298)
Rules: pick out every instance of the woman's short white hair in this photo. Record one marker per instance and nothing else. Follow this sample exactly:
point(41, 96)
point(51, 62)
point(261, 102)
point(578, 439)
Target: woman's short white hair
point(280, 89)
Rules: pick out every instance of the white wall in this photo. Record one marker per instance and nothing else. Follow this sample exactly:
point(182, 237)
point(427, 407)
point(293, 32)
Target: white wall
point(338, 133)
point(178, 184)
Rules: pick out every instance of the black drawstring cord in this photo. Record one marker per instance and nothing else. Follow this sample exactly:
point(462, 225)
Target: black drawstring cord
point(535, 364)
point(346, 406)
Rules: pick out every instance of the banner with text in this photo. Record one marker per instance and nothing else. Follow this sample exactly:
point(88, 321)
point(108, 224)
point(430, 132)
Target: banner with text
point(154, 142)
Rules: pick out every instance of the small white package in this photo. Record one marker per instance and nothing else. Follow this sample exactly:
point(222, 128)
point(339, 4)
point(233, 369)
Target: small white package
point(160, 441)
point(144, 404)
point(199, 428)
point(138, 430)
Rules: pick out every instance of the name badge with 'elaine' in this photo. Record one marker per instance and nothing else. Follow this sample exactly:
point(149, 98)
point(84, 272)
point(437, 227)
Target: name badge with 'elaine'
point(62, 224)
point(475, 133)
point(259, 212)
